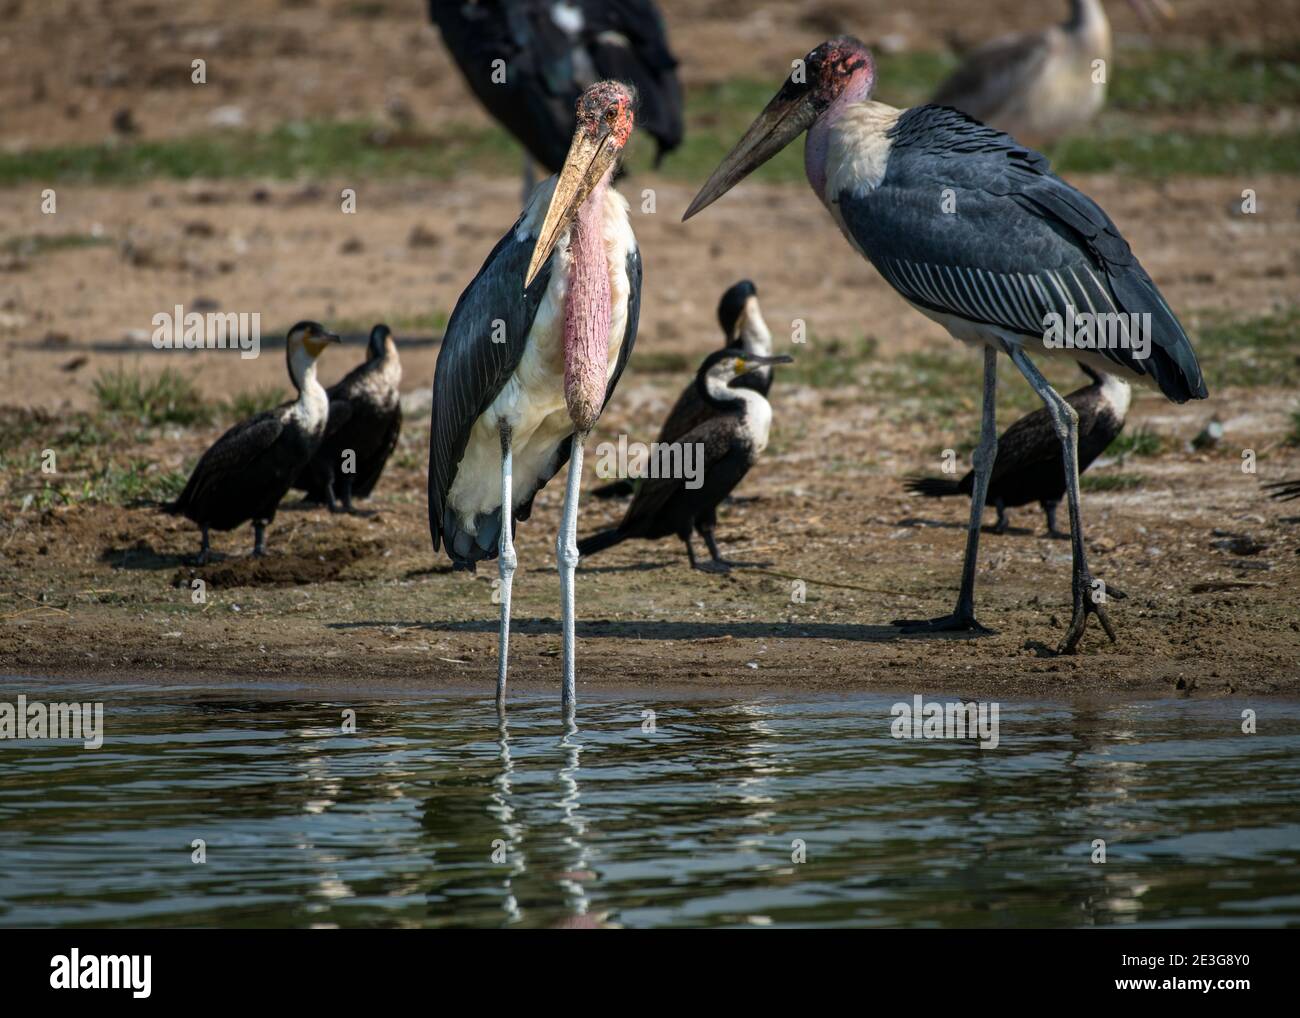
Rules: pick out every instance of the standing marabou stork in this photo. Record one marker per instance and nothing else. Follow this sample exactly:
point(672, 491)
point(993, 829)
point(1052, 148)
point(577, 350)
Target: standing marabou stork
point(978, 234)
point(531, 355)
point(1039, 86)
point(527, 61)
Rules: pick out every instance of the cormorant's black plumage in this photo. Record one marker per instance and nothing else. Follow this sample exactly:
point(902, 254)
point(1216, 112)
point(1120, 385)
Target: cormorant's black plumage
point(550, 51)
point(1029, 466)
point(247, 471)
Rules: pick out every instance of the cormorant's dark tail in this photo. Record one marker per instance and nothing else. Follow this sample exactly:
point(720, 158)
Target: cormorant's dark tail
point(615, 489)
point(931, 487)
point(599, 542)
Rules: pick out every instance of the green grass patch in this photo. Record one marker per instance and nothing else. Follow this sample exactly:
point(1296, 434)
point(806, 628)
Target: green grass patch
point(45, 243)
point(1110, 482)
point(249, 402)
point(1138, 442)
point(1249, 352)
point(165, 398)
point(1141, 82)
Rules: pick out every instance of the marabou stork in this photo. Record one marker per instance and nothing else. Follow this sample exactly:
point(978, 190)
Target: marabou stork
point(976, 233)
point(743, 330)
point(731, 433)
point(1039, 86)
point(527, 61)
point(246, 471)
point(364, 425)
point(1029, 466)
point(531, 355)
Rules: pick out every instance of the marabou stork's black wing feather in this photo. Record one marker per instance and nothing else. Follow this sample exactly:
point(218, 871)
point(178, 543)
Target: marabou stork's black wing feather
point(628, 42)
point(546, 61)
point(1020, 242)
point(472, 368)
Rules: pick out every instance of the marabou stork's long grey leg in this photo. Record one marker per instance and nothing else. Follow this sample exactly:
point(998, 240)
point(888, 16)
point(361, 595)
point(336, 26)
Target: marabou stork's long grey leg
point(506, 560)
point(259, 538)
point(963, 616)
point(566, 558)
point(1066, 421)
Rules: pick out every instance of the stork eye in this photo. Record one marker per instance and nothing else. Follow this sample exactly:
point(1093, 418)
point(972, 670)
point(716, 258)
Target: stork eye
point(611, 114)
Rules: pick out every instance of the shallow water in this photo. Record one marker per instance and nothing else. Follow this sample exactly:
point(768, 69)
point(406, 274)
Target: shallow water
point(693, 824)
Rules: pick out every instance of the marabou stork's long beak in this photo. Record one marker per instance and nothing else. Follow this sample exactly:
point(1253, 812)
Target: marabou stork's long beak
point(788, 115)
point(588, 160)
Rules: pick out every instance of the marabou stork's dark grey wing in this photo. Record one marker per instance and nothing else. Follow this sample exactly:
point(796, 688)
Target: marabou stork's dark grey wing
point(628, 42)
point(625, 351)
point(472, 368)
point(549, 59)
point(1020, 243)
point(992, 74)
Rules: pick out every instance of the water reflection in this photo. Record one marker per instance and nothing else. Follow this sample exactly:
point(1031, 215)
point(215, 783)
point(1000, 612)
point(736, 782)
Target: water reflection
point(445, 812)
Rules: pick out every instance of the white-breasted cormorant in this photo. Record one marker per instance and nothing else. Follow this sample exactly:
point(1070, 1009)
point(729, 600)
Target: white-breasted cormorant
point(246, 471)
point(731, 437)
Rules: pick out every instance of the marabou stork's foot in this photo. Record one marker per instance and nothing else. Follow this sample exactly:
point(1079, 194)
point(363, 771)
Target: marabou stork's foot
point(1089, 601)
point(719, 566)
point(957, 622)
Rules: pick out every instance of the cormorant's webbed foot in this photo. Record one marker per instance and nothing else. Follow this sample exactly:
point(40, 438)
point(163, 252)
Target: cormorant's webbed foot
point(715, 565)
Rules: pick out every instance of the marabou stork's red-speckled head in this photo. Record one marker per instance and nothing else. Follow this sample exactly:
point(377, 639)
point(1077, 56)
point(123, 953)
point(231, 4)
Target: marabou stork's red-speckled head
point(837, 72)
point(606, 114)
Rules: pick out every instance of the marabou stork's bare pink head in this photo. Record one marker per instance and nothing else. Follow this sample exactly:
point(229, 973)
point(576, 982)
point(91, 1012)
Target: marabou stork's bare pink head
point(838, 72)
point(606, 114)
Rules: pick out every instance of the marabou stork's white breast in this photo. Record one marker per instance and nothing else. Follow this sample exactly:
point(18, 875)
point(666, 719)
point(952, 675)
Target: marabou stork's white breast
point(532, 401)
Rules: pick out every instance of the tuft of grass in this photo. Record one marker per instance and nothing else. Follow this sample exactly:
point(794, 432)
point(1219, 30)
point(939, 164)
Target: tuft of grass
point(1179, 153)
point(826, 363)
point(1138, 442)
point(44, 243)
point(249, 402)
point(1249, 352)
point(1110, 482)
point(165, 398)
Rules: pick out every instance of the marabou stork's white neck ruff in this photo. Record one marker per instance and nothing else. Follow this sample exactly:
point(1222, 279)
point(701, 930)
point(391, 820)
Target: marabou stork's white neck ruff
point(977, 233)
point(531, 354)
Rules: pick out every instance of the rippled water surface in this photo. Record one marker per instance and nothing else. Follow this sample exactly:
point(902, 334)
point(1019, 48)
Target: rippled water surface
point(435, 814)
